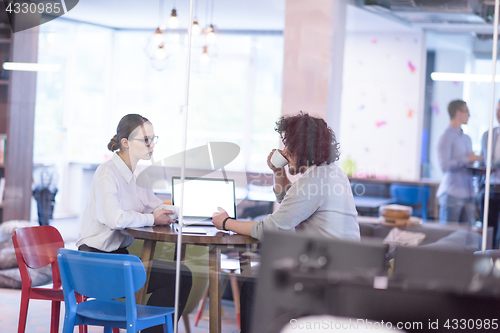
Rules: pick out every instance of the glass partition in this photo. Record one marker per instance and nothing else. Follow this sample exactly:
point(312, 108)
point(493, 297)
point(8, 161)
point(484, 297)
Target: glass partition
point(365, 71)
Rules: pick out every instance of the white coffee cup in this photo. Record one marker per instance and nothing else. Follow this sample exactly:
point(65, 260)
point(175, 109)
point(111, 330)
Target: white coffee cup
point(175, 215)
point(278, 160)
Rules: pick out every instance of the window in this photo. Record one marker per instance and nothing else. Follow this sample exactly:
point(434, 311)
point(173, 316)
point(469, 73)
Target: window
point(106, 74)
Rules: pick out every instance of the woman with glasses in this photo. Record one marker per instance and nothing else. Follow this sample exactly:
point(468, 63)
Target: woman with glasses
point(116, 202)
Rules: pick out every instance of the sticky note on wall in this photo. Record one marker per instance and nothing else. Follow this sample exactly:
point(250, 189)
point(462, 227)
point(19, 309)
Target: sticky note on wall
point(411, 67)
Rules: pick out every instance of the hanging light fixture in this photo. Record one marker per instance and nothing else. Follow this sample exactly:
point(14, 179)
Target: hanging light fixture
point(173, 22)
point(157, 37)
point(161, 53)
point(204, 58)
point(156, 49)
point(196, 27)
point(210, 30)
point(210, 34)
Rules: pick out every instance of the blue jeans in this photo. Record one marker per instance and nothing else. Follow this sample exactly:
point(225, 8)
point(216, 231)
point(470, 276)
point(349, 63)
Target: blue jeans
point(453, 209)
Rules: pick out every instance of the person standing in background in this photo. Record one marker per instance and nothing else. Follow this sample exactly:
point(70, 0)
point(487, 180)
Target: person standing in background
point(456, 191)
point(494, 201)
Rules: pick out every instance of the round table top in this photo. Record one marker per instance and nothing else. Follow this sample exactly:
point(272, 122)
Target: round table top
point(169, 234)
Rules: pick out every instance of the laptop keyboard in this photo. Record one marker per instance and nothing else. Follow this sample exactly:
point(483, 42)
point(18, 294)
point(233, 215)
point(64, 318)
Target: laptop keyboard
point(197, 221)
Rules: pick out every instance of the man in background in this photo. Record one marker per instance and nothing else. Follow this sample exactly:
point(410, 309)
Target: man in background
point(494, 202)
point(456, 191)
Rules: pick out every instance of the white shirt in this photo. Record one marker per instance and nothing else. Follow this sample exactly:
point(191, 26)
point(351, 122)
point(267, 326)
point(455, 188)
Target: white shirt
point(115, 202)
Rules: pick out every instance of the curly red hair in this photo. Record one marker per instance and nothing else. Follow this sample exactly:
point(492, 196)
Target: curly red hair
point(308, 139)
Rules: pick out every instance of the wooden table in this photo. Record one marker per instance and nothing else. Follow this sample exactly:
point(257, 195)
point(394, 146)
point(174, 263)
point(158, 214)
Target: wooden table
point(214, 239)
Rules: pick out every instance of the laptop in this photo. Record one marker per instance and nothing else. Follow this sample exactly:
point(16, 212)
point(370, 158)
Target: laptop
point(202, 196)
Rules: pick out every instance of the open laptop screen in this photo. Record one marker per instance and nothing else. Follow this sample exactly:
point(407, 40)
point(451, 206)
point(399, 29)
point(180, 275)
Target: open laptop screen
point(202, 196)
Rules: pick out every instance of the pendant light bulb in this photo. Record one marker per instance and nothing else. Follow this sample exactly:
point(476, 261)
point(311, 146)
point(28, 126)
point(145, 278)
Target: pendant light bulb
point(210, 34)
point(173, 22)
point(196, 27)
point(157, 37)
point(204, 59)
point(155, 46)
point(161, 53)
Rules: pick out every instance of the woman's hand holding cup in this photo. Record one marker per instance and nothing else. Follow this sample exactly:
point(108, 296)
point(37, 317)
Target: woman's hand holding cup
point(276, 161)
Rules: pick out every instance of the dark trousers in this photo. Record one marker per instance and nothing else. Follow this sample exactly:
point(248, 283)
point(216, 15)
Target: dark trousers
point(493, 211)
point(161, 284)
point(247, 299)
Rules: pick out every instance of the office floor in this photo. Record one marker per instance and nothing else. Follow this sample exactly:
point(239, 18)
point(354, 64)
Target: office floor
point(39, 316)
point(39, 311)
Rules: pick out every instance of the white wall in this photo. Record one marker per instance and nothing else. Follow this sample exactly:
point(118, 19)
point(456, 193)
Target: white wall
point(382, 103)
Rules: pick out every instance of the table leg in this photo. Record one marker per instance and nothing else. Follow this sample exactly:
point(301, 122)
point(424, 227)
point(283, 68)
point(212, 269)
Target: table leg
point(235, 288)
point(183, 252)
point(148, 251)
point(246, 262)
point(214, 285)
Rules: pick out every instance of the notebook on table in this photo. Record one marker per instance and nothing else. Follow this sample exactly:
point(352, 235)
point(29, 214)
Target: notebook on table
point(202, 196)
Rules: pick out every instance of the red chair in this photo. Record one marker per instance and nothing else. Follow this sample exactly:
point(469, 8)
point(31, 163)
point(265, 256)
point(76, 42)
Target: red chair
point(37, 247)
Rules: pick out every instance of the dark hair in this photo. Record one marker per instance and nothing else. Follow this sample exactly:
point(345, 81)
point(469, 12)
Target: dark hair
point(308, 139)
point(126, 125)
point(455, 106)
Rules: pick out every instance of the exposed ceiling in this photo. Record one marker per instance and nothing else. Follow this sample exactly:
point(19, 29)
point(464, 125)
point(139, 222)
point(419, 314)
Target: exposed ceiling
point(451, 16)
point(144, 14)
point(362, 20)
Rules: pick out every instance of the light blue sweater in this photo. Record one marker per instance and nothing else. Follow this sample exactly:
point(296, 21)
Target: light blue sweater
point(319, 202)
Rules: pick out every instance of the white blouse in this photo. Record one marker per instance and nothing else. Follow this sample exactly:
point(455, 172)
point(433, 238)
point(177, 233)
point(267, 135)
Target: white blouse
point(115, 202)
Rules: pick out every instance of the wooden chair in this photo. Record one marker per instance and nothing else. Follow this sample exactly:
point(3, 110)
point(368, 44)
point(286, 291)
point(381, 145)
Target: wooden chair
point(37, 247)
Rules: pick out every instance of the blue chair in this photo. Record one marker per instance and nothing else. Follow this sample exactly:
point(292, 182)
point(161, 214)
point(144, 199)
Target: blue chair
point(412, 196)
point(104, 277)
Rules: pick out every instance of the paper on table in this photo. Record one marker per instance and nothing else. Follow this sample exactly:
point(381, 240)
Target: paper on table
point(402, 237)
point(192, 230)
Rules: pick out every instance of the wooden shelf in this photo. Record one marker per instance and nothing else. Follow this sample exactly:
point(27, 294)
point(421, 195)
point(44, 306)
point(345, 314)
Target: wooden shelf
point(4, 82)
point(2, 165)
point(5, 41)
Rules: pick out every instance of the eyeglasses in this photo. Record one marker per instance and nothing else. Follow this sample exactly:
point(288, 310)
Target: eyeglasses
point(149, 140)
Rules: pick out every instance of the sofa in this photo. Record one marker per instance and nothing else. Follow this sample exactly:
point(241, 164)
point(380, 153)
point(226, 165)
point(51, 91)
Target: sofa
point(10, 277)
point(436, 235)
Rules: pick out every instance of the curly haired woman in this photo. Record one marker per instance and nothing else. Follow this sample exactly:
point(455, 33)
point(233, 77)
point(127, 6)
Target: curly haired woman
point(320, 201)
